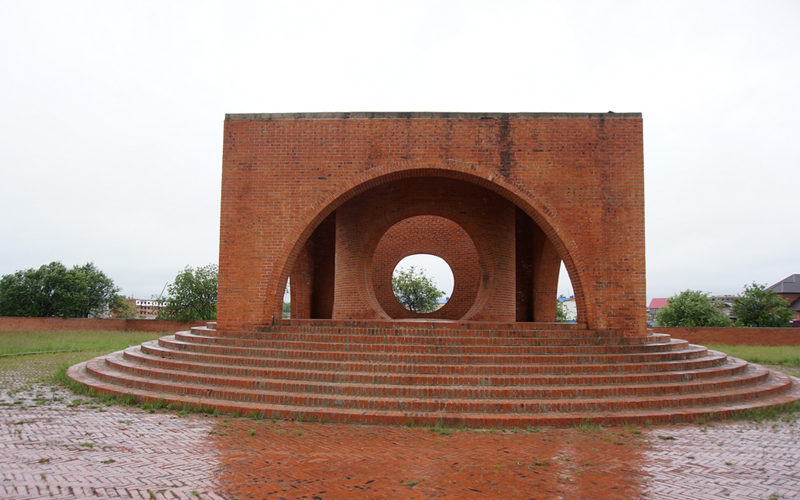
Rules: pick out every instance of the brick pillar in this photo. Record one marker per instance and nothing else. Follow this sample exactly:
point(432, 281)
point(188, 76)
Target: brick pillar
point(301, 281)
point(324, 268)
point(545, 279)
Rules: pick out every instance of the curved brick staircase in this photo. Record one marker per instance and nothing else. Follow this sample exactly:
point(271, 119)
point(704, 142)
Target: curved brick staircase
point(473, 374)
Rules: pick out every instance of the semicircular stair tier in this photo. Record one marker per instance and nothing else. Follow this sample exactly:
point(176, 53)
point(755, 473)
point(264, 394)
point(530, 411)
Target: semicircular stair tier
point(451, 373)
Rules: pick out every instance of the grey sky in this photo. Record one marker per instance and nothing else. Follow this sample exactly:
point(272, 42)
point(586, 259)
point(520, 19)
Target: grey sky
point(111, 114)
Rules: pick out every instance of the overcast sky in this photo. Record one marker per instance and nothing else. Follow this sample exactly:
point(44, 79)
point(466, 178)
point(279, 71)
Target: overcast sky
point(111, 114)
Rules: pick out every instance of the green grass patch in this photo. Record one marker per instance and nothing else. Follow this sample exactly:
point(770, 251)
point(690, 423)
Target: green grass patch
point(783, 355)
point(98, 341)
point(588, 426)
point(60, 377)
point(20, 372)
point(787, 412)
point(441, 428)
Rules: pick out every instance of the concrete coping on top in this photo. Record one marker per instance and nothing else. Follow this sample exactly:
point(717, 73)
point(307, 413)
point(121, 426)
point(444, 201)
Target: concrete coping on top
point(405, 115)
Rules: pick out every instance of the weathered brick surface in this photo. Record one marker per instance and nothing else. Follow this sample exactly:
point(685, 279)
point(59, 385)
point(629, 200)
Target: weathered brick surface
point(735, 336)
point(10, 324)
point(578, 177)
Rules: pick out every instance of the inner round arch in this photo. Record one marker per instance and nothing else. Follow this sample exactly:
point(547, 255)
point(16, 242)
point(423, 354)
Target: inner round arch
point(437, 237)
point(432, 268)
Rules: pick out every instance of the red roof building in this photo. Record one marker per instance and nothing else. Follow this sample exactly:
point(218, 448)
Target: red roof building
point(789, 290)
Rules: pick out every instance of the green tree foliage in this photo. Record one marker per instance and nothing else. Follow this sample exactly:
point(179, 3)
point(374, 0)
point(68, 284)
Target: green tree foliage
point(122, 308)
point(193, 295)
point(415, 291)
point(561, 312)
point(691, 308)
point(53, 290)
point(563, 315)
point(759, 307)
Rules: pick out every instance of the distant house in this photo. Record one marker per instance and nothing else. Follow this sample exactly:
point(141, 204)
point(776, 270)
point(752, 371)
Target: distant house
point(652, 309)
point(789, 290)
point(146, 308)
point(724, 303)
point(570, 308)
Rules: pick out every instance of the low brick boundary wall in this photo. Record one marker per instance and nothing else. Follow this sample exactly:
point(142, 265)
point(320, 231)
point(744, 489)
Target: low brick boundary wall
point(8, 324)
point(734, 336)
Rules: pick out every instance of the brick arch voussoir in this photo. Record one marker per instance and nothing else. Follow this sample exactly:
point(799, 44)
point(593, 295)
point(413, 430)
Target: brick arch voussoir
point(475, 173)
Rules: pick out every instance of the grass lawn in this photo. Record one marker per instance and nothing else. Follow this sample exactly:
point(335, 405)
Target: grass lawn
point(21, 371)
point(95, 341)
point(785, 356)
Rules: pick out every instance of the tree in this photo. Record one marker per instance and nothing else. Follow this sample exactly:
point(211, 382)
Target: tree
point(415, 291)
point(55, 291)
point(691, 308)
point(759, 307)
point(561, 312)
point(193, 295)
point(122, 308)
point(563, 315)
point(101, 293)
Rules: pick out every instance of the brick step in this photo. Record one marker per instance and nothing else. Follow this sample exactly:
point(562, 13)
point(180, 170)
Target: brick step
point(776, 380)
point(358, 353)
point(98, 369)
point(424, 346)
point(122, 363)
point(404, 331)
point(430, 339)
point(419, 323)
point(696, 358)
point(135, 355)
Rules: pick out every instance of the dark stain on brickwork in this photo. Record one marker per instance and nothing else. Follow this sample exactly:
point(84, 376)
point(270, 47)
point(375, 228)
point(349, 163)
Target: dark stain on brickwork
point(505, 147)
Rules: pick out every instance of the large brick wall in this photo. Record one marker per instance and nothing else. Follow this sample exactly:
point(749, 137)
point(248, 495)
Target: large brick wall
point(8, 324)
point(574, 180)
point(734, 336)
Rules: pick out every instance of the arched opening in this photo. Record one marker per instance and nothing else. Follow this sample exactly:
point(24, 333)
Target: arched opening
point(568, 306)
point(537, 291)
point(422, 283)
point(286, 311)
point(439, 238)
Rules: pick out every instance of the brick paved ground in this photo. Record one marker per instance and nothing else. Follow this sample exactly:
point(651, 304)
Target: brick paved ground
point(51, 447)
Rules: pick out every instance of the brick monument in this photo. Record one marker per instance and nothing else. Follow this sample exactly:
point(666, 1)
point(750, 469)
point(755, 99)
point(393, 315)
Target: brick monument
point(332, 202)
point(312, 196)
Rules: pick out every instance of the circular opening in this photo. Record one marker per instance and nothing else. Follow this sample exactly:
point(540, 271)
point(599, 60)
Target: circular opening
point(422, 283)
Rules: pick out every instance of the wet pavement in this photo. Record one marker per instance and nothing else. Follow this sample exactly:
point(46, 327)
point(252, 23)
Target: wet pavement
point(54, 444)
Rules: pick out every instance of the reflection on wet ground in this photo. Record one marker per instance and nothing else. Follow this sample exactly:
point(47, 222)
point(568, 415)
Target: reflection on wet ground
point(340, 461)
point(51, 446)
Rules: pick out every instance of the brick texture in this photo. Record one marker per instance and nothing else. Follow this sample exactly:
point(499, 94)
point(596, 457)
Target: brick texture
point(137, 454)
point(578, 178)
point(9, 324)
point(736, 336)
